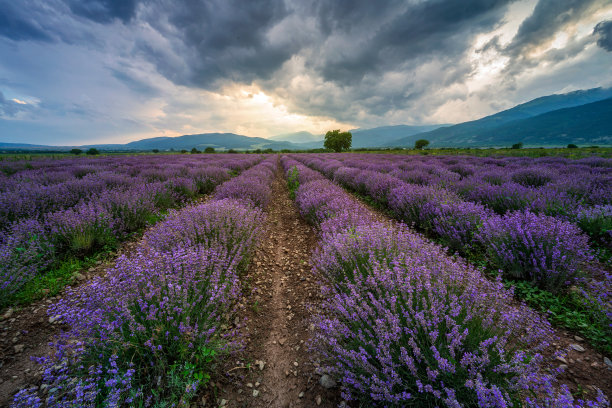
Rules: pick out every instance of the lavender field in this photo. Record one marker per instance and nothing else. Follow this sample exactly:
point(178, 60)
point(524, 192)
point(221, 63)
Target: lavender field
point(433, 281)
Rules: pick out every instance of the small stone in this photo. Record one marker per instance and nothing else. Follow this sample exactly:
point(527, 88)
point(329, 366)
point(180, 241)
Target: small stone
point(318, 399)
point(301, 394)
point(18, 348)
point(53, 319)
point(577, 347)
point(295, 363)
point(578, 338)
point(281, 341)
point(255, 393)
point(562, 359)
point(327, 382)
point(608, 362)
point(311, 327)
point(223, 403)
point(7, 314)
point(261, 365)
point(563, 367)
point(79, 276)
point(250, 385)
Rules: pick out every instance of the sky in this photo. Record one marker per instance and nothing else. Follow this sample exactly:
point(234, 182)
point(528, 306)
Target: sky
point(112, 71)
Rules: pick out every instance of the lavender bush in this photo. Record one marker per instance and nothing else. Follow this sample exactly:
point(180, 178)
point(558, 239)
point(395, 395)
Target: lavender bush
point(538, 248)
point(406, 325)
point(150, 332)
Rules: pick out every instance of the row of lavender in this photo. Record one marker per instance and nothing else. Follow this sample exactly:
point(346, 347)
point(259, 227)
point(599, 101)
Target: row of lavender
point(574, 190)
point(405, 324)
point(546, 250)
point(77, 206)
point(151, 331)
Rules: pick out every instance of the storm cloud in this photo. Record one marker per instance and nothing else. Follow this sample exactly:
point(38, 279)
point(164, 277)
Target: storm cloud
point(603, 31)
point(359, 63)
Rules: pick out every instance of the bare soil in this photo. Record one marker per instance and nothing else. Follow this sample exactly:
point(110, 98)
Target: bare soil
point(276, 368)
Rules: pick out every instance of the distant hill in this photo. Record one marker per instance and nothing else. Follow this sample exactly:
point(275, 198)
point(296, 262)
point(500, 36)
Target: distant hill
point(478, 132)
point(589, 124)
point(222, 141)
point(380, 136)
point(297, 137)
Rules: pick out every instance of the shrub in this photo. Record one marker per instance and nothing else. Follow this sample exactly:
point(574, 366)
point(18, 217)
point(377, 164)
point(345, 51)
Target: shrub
point(92, 151)
point(409, 326)
point(293, 181)
point(534, 177)
point(408, 201)
point(597, 222)
point(152, 330)
point(227, 223)
point(455, 223)
point(25, 251)
point(538, 248)
point(81, 230)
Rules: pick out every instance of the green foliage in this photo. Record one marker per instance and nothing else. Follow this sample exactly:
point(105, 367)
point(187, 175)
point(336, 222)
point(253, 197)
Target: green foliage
point(155, 150)
point(194, 151)
point(421, 143)
point(92, 151)
point(183, 151)
point(293, 181)
point(209, 149)
point(518, 145)
point(572, 310)
point(76, 151)
point(572, 146)
point(337, 141)
point(232, 151)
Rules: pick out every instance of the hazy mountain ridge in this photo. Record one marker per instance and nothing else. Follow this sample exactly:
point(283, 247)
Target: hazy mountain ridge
point(478, 132)
point(581, 117)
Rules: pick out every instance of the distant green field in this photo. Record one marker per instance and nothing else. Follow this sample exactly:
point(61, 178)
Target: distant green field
point(578, 153)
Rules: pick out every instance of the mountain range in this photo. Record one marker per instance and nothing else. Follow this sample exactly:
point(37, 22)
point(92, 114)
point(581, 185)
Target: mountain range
point(581, 117)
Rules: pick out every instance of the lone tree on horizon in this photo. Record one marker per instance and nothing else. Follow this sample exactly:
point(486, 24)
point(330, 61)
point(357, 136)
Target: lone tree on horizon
point(336, 141)
point(421, 143)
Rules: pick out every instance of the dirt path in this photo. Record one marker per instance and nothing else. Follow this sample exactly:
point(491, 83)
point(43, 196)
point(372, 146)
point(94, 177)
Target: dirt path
point(283, 299)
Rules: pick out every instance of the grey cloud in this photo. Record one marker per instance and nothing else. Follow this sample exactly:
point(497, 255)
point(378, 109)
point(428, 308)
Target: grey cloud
point(138, 85)
point(104, 11)
point(17, 23)
point(417, 32)
point(10, 108)
point(217, 40)
point(548, 17)
point(604, 32)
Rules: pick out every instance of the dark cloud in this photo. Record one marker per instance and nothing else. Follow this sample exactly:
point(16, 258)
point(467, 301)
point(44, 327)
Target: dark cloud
point(548, 18)
point(104, 11)
point(17, 23)
point(420, 30)
point(604, 32)
point(216, 39)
